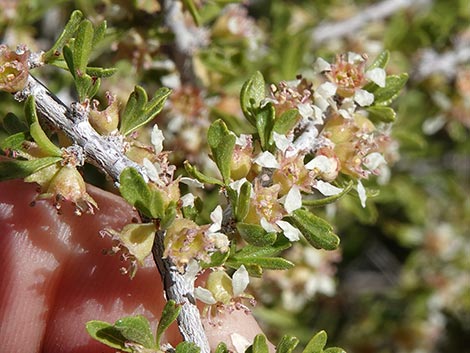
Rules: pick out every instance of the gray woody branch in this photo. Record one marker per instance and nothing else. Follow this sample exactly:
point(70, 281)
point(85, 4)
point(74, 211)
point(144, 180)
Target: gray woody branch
point(107, 153)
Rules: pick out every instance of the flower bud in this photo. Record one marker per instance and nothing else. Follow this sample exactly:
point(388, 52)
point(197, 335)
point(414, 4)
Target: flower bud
point(107, 120)
point(13, 69)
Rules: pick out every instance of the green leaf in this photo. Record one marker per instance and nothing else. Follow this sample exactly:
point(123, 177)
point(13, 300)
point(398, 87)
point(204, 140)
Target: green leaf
point(43, 141)
point(265, 251)
point(82, 47)
point(101, 72)
point(68, 32)
point(187, 347)
point(138, 111)
point(254, 234)
point(317, 343)
point(334, 350)
point(221, 348)
point(189, 4)
point(329, 199)
point(222, 143)
point(68, 57)
point(169, 314)
point(12, 124)
point(136, 191)
point(15, 169)
point(380, 113)
point(286, 122)
point(99, 33)
point(317, 231)
point(393, 85)
point(196, 174)
point(217, 259)
point(14, 142)
point(259, 344)
point(136, 329)
point(264, 124)
point(287, 344)
point(107, 334)
point(251, 95)
point(380, 61)
point(30, 110)
point(243, 201)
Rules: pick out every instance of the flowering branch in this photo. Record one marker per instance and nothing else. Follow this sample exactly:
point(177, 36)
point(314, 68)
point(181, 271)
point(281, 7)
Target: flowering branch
point(107, 153)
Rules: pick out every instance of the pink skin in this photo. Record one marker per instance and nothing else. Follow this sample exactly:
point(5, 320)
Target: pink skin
point(54, 278)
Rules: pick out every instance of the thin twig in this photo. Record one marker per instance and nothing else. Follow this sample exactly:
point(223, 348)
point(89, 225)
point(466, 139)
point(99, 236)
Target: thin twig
point(350, 26)
point(107, 153)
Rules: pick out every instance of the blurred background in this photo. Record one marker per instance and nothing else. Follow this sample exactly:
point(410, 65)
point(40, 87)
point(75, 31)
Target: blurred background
point(401, 281)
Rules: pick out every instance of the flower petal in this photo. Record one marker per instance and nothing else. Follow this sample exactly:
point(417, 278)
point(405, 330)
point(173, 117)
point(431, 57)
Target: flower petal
point(267, 160)
point(293, 199)
point(239, 342)
point(216, 217)
point(326, 188)
point(157, 139)
point(188, 200)
point(240, 280)
point(291, 232)
point(361, 191)
point(377, 75)
point(321, 65)
point(281, 141)
point(204, 295)
point(363, 98)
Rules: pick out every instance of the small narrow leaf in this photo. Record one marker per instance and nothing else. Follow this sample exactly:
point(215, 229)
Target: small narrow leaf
point(12, 124)
point(272, 263)
point(287, 344)
point(136, 329)
point(380, 61)
point(82, 47)
point(264, 124)
point(169, 314)
point(187, 347)
point(43, 141)
point(68, 32)
point(286, 122)
point(196, 174)
point(380, 113)
point(189, 4)
point(265, 251)
point(326, 200)
point(99, 33)
point(14, 142)
point(101, 72)
point(251, 95)
point(15, 169)
point(68, 57)
point(217, 259)
point(243, 201)
point(255, 234)
point(107, 334)
point(317, 231)
point(222, 143)
point(221, 348)
point(30, 110)
point(259, 344)
point(317, 343)
point(393, 86)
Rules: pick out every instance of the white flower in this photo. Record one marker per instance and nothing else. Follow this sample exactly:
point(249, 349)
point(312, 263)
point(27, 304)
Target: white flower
point(347, 108)
point(322, 163)
point(374, 161)
point(220, 241)
point(321, 65)
point(354, 58)
point(305, 110)
point(192, 269)
point(326, 90)
point(281, 141)
point(377, 75)
point(157, 139)
point(361, 191)
point(317, 115)
point(242, 140)
point(363, 98)
point(188, 200)
point(239, 342)
point(216, 217)
point(326, 188)
point(291, 233)
point(204, 295)
point(240, 280)
point(266, 160)
point(293, 200)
